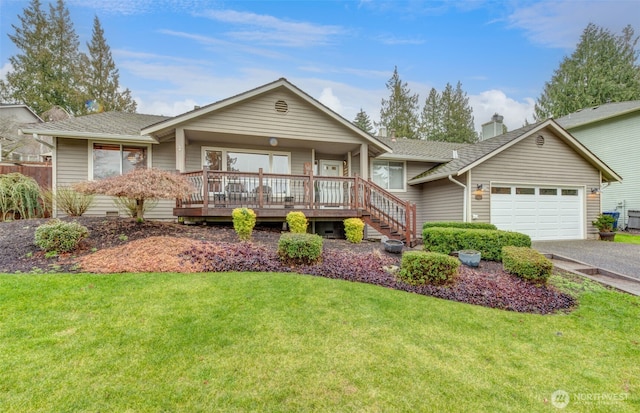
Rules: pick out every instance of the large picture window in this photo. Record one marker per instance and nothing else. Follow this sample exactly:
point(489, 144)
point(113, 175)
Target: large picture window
point(389, 175)
point(109, 159)
point(234, 160)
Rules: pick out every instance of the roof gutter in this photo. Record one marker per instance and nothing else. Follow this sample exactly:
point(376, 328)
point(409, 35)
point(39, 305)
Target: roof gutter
point(464, 202)
point(91, 135)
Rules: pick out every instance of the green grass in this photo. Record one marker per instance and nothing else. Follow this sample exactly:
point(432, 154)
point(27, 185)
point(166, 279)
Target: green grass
point(283, 342)
point(627, 238)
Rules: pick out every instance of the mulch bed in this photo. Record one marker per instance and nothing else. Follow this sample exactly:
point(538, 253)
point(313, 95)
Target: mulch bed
point(122, 245)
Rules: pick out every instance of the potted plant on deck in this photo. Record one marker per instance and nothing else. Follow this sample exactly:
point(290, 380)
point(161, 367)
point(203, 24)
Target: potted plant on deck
point(604, 223)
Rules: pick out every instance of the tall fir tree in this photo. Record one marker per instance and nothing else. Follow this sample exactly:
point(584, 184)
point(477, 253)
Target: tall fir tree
point(431, 117)
point(363, 122)
point(455, 117)
point(399, 113)
point(31, 78)
point(602, 69)
point(102, 79)
point(66, 62)
point(49, 69)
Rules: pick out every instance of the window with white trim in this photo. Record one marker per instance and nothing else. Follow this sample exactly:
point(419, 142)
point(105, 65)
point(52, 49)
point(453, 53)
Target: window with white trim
point(110, 159)
point(389, 174)
point(236, 160)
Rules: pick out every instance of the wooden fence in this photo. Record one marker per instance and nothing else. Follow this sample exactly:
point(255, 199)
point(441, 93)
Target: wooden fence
point(40, 171)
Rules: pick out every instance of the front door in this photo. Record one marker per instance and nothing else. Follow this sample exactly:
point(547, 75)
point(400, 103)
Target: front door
point(330, 192)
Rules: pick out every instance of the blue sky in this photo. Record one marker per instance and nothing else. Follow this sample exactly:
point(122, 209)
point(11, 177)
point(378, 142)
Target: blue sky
point(174, 54)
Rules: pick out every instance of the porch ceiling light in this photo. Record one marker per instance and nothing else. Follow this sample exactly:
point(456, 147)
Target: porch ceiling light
point(273, 141)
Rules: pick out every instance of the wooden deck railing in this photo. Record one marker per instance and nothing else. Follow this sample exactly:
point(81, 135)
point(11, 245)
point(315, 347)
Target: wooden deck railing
point(223, 189)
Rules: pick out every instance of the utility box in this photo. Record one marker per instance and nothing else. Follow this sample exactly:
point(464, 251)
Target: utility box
point(634, 219)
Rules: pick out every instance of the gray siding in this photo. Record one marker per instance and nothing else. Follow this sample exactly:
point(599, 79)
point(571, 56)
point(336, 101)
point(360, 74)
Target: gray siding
point(443, 201)
point(259, 117)
point(617, 142)
point(527, 163)
point(72, 165)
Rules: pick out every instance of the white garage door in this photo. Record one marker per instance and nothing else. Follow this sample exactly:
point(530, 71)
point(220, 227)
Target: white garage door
point(542, 212)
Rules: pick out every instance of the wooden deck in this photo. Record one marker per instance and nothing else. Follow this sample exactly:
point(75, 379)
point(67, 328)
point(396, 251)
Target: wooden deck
point(273, 196)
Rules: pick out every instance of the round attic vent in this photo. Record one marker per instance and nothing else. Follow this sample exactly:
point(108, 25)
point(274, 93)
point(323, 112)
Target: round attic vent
point(282, 106)
point(539, 140)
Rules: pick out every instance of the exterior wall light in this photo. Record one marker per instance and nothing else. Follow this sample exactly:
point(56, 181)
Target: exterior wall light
point(478, 192)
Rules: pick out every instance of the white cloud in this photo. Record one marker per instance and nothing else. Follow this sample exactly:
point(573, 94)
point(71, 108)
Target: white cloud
point(496, 101)
point(162, 107)
point(560, 23)
point(271, 30)
point(327, 98)
point(6, 68)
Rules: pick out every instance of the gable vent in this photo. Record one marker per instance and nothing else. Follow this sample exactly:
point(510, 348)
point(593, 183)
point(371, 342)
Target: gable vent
point(539, 140)
point(282, 106)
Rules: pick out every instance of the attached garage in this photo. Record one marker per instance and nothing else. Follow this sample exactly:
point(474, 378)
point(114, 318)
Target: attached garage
point(538, 180)
point(544, 212)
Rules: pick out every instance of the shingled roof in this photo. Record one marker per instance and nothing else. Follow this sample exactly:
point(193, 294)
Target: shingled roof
point(598, 113)
point(419, 150)
point(113, 123)
point(467, 155)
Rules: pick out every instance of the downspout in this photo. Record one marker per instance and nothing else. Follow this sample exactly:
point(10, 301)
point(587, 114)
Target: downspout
point(464, 203)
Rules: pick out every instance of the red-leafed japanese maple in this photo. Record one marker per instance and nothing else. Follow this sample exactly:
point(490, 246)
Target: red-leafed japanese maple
point(140, 185)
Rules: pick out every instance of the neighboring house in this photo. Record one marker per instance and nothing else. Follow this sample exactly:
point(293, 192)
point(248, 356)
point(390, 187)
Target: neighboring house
point(14, 147)
point(612, 132)
point(275, 148)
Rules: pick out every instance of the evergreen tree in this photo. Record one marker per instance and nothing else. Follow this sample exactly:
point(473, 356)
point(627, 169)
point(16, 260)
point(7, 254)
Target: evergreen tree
point(102, 78)
point(49, 70)
point(399, 112)
point(602, 69)
point(363, 122)
point(65, 63)
point(431, 117)
point(456, 117)
point(31, 78)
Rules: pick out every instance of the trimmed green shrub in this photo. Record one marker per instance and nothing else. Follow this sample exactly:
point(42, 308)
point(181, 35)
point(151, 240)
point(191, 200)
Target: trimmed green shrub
point(297, 222)
point(488, 242)
point(19, 197)
point(419, 267)
point(244, 219)
point(354, 230)
point(300, 248)
point(60, 236)
point(463, 225)
point(526, 263)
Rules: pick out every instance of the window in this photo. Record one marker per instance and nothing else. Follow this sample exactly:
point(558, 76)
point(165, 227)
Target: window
point(234, 160)
point(569, 192)
point(109, 159)
point(548, 191)
point(389, 175)
point(503, 190)
point(525, 191)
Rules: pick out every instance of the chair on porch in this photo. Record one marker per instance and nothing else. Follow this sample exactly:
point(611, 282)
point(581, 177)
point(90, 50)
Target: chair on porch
point(266, 193)
point(236, 193)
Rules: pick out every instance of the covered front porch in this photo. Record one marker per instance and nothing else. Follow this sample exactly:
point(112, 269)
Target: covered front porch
point(273, 196)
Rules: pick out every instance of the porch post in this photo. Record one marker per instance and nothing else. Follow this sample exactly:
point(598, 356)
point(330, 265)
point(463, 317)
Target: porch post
point(181, 155)
point(364, 161)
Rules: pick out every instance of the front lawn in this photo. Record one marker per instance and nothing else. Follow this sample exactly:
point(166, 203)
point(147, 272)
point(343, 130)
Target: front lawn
point(285, 342)
point(627, 238)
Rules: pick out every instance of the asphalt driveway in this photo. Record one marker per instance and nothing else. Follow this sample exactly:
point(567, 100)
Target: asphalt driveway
point(613, 256)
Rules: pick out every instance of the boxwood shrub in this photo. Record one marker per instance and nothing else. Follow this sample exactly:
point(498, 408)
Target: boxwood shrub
point(244, 219)
point(454, 224)
point(298, 248)
point(488, 242)
point(419, 267)
point(60, 236)
point(297, 222)
point(354, 230)
point(526, 263)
